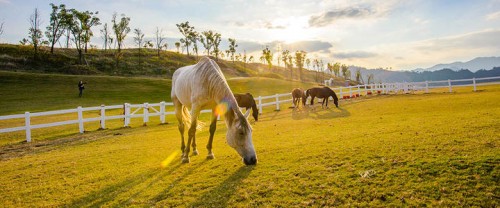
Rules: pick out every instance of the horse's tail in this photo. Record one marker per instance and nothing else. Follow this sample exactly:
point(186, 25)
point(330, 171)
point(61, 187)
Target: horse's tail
point(186, 117)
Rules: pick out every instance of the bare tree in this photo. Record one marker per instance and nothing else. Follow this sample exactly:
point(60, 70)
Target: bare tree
point(35, 34)
point(121, 29)
point(268, 56)
point(106, 36)
point(139, 39)
point(207, 38)
point(158, 41)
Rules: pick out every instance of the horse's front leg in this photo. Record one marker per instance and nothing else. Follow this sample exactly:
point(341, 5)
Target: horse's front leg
point(195, 111)
point(213, 126)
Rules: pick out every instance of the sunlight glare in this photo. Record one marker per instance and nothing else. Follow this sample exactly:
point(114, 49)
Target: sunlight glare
point(169, 159)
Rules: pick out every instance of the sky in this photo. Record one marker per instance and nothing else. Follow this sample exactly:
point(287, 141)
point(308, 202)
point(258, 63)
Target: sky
point(394, 34)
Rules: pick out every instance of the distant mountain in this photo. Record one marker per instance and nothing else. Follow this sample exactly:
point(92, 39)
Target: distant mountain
point(382, 75)
point(473, 65)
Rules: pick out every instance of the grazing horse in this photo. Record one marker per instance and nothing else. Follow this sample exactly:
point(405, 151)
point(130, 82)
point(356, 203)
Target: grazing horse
point(247, 101)
point(298, 94)
point(322, 92)
point(203, 86)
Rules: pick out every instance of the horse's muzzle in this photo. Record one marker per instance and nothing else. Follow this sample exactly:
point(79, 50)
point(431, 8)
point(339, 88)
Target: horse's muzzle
point(250, 160)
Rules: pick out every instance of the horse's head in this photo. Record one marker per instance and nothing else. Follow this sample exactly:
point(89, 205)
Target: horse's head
point(239, 136)
point(335, 99)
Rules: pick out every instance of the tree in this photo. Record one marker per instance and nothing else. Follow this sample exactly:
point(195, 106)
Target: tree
point(177, 45)
point(187, 31)
point(232, 47)
point(194, 37)
point(344, 71)
point(308, 63)
point(358, 76)
point(106, 36)
point(158, 40)
point(370, 79)
point(300, 57)
point(80, 23)
point(284, 57)
point(56, 26)
point(139, 39)
point(1, 28)
point(336, 69)
point(207, 39)
point(268, 56)
point(217, 39)
point(121, 29)
point(35, 34)
point(251, 59)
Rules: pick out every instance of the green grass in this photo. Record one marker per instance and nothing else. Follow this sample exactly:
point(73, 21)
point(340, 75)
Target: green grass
point(438, 149)
point(23, 92)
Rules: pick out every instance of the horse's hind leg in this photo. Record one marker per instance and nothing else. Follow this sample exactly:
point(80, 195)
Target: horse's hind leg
point(178, 115)
point(213, 126)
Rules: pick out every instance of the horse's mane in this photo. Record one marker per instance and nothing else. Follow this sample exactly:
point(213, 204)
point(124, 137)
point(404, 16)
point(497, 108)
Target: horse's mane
point(212, 77)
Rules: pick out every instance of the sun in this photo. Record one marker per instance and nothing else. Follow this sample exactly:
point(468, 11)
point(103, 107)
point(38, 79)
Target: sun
point(291, 30)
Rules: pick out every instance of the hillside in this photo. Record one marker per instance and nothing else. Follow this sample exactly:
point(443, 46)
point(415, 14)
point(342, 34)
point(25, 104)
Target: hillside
point(474, 65)
point(132, 62)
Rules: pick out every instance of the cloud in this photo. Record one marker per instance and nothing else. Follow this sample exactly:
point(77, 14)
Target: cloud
point(329, 17)
point(493, 16)
point(354, 55)
point(475, 40)
point(309, 46)
point(4, 2)
point(262, 24)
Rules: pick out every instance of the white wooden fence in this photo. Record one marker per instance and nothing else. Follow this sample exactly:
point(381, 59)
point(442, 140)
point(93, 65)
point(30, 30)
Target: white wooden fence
point(158, 109)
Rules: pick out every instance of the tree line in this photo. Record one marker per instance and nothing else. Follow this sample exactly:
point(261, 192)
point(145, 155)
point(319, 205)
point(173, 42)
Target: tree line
point(76, 27)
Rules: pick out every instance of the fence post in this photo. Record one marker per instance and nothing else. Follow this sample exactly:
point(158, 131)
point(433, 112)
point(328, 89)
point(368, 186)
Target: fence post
point(126, 122)
point(426, 86)
point(277, 102)
point(449, 84)
point(146, 113)
point(371, 87)
point(405, 87)
point(80, 120)
point(350, 91)
point(27, 123)
point(359, 91)
point(340, 93)
point(162, 112)
point(474, 83)
point(260, 104)
point(103, 117)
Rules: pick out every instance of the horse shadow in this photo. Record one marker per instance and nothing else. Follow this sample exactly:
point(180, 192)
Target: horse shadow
point(319, 113)
point(220, 195)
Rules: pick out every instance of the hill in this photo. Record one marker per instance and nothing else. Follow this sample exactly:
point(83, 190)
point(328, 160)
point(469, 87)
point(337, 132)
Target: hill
point(135, 63)
point(474, 65)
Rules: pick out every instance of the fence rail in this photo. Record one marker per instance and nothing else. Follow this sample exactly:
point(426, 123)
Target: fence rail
point(159, 109)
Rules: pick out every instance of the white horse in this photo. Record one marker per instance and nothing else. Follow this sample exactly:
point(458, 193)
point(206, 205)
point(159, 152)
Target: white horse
point(203, 86)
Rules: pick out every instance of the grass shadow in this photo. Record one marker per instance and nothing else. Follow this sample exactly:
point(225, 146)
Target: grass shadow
point(220, 195)
point(107, 194)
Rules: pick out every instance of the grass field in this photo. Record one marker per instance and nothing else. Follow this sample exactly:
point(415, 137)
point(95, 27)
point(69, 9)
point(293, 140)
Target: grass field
point(438, 149)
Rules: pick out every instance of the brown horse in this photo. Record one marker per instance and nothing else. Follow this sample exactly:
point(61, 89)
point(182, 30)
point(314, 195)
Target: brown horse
point(322, 92)
point(298, 94)
point(247, 101)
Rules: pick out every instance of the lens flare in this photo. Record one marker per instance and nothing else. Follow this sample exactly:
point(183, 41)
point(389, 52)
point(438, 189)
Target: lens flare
point(169, 159)
point(221, 108)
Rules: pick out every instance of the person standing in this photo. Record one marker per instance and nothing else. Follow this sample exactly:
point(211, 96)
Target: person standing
point(81, 87)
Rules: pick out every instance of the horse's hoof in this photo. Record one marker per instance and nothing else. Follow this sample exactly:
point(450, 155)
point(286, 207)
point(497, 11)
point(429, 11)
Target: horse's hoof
point(210, 157)
point(185, 160)
point(195, 152)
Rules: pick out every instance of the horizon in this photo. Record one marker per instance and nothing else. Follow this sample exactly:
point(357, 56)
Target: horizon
point(401, 35)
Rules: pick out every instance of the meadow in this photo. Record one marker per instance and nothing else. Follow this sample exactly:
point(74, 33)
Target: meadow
point(437, 149)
